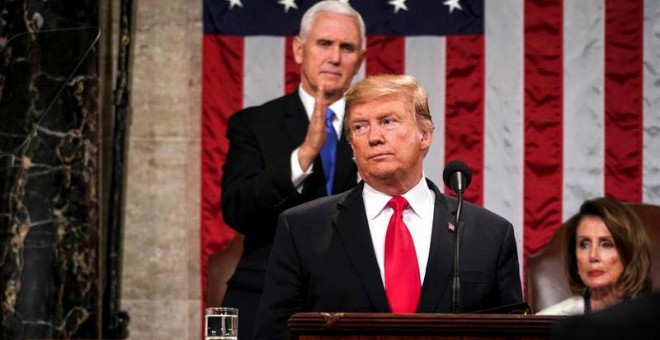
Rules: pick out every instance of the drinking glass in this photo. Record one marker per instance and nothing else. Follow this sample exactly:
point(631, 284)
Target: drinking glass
point(221, 323)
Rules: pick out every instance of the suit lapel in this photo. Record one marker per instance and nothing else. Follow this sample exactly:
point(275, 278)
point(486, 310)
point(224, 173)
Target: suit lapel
point(440, 264)
point(295, 119)
point(353, 230)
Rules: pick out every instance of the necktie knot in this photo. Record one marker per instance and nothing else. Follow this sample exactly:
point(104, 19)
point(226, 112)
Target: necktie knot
point(398, 203)
point(329, 114)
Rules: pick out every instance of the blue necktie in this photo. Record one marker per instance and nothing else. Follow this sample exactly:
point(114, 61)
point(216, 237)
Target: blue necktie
point(329, 151)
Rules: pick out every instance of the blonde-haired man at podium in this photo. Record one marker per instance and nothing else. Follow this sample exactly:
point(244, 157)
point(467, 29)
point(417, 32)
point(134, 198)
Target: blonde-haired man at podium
point(386, 245)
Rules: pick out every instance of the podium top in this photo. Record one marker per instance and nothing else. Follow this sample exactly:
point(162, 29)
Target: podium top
point(422, 324)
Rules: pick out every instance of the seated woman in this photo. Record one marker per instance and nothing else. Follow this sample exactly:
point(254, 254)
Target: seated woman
point(607, 257)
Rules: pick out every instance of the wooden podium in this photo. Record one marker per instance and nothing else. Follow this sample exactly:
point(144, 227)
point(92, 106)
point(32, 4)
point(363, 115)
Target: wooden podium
point(372, 326)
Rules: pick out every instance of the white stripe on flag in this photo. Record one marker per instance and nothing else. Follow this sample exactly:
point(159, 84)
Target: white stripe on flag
point(651, 105)
point(584, 111)
point(425, 60)
point(263, 69)
point(503, 114)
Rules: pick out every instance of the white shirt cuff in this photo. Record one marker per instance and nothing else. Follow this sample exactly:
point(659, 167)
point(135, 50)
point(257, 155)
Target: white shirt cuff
point(298, 175)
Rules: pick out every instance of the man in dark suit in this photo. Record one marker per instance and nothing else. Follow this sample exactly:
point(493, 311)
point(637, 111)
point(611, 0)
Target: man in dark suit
point(287, 151)
point(386, 245)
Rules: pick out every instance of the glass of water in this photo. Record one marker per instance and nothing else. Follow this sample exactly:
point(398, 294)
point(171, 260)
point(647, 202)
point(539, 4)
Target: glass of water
point(221, 323)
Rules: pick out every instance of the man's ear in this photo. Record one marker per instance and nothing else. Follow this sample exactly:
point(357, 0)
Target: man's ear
point(297, 49)
point(427, 137)
point(363, 57)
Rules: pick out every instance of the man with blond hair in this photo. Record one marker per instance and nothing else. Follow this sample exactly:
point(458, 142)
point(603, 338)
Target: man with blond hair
point(386, 245)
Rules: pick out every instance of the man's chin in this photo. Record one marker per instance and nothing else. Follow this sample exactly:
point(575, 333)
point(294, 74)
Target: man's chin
point(382, 174)
point(335, 86)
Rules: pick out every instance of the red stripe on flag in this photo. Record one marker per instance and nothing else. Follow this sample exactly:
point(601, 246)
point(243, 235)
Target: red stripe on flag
point(222, 95)
point(385, 54)
point(464, 117)
point(623, 99)
point(543, 156)
point(291, 68)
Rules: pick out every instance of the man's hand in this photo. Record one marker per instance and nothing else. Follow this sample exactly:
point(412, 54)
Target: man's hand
point(316, 133)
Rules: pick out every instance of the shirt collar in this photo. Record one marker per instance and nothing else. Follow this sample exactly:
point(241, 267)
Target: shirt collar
point(375, 201)
point(308, 102)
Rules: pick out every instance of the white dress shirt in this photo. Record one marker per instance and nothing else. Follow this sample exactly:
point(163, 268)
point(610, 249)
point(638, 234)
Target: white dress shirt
point(298, 175)
point(418, 218)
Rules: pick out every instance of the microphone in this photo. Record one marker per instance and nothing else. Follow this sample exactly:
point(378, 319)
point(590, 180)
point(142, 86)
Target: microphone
point(457, 176)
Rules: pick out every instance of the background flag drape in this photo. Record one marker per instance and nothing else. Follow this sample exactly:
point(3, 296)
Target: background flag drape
point(549, 102)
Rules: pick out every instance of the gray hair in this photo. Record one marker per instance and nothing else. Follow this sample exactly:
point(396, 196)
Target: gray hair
point(331, 6)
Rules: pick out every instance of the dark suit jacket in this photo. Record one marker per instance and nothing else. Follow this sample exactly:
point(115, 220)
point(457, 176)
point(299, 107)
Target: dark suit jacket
point(323, 260)
point(635, 319)
point(256, 181)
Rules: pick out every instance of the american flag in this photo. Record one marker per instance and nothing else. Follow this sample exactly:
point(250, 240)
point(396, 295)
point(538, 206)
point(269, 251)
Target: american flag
point(549, 102)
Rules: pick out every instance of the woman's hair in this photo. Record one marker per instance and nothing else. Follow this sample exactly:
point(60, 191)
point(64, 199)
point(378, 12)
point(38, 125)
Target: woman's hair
point(630, 238)
point(383, 85)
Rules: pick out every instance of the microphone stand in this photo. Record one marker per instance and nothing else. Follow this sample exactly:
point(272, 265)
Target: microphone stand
point(456, 285)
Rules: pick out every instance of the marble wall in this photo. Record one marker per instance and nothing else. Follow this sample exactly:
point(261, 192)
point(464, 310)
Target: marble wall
point(49, 170)
point(161, 273)
point(60, 225)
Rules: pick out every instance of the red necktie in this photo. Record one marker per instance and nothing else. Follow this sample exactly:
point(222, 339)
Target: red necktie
point(402, 282)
